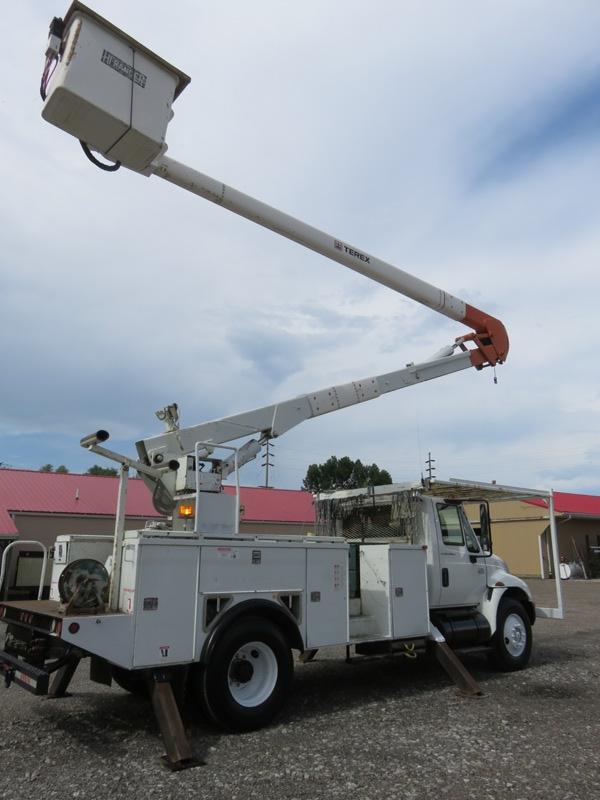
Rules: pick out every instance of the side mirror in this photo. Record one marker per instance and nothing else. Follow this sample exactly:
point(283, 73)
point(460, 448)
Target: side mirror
point(485, 537)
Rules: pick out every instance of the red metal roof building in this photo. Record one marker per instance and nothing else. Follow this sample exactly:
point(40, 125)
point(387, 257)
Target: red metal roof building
point(49, 493)
point(45, 493)
point(576, 505)
point(290, 506)
point(43, 505)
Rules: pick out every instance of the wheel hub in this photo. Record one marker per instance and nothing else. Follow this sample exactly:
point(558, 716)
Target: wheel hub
point(515, 635)
point(252, 674)
point(241, 671)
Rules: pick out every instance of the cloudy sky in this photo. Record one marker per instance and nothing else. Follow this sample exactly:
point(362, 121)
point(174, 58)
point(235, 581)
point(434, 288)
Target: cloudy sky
point(457, 140)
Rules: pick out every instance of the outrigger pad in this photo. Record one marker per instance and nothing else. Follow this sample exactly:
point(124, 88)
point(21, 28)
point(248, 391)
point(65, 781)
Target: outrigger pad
point(179, 753)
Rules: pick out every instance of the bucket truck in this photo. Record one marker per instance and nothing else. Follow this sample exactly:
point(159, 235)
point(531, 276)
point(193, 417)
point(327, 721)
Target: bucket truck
point(190, 607)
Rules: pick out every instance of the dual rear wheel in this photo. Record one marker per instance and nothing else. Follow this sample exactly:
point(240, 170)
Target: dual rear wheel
point(247, 679)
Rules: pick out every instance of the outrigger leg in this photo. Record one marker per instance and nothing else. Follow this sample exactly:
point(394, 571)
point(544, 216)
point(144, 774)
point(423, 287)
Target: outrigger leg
point(179, 752)
point(62, 679)
point(307, 655)
point(452, 665)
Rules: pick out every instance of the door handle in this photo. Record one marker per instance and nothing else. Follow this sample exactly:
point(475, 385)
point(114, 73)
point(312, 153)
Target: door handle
point(445, 577)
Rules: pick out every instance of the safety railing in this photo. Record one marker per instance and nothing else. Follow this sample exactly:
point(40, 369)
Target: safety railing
point(20, 543)
point(212, 446)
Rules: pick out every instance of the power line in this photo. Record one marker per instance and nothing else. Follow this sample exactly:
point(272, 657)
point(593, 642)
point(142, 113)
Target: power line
point(266, 461)
point(430, 466)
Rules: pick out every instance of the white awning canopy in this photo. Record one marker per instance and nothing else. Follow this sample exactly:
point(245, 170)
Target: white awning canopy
point(460, 490)
point(474, 491)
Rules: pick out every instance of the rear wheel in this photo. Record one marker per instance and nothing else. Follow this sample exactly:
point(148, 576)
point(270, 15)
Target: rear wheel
point(512, 641)
point(246, 682)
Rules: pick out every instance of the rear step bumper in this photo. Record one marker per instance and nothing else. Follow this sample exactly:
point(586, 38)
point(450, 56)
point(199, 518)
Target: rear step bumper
point(34, 679)
point(42, 616)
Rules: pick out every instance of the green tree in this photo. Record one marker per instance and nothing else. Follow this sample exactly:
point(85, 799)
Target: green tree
point(47, 468)
point(343, 473)
point(62, 470)
point(105, 472)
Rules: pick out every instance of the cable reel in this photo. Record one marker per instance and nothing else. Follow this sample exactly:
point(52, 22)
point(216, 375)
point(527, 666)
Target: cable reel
point(83, 586)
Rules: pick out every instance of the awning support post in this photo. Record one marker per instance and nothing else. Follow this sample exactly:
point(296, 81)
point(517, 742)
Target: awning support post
point(559, 611)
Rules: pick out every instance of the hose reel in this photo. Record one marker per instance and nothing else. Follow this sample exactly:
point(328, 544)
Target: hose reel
point(83, 586)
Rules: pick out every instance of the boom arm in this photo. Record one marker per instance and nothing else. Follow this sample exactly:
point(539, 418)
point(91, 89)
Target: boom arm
point(273, 420)
point(126, 120)
point(120, 106)
point(489, 334)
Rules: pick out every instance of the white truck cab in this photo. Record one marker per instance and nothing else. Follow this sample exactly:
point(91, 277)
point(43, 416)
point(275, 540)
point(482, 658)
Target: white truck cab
point(467, 587)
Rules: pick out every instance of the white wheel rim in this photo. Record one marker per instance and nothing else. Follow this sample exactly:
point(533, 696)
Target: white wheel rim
point(252, 674)
point(515, 635)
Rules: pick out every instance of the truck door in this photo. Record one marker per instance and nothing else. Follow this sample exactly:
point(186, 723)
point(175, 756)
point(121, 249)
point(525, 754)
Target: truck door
point(462, 577)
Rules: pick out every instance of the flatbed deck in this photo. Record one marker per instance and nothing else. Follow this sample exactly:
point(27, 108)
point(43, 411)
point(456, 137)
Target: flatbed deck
point(54, 609)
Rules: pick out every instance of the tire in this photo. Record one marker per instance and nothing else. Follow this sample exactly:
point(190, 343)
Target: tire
point(248, 677)
point(511, 644)
point(133, 682)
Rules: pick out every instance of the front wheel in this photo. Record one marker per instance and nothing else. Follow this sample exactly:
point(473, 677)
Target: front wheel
point(246, 682)
point(511, 645)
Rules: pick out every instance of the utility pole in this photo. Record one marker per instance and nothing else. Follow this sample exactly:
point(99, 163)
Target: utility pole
point(430, 466)
point(266, 462)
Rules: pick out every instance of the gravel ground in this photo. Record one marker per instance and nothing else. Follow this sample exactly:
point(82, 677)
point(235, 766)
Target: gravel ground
point(374, 728)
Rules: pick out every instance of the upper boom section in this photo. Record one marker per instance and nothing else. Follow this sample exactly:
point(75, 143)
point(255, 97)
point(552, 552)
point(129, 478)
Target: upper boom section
point(116, 96)
point(489, 334)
